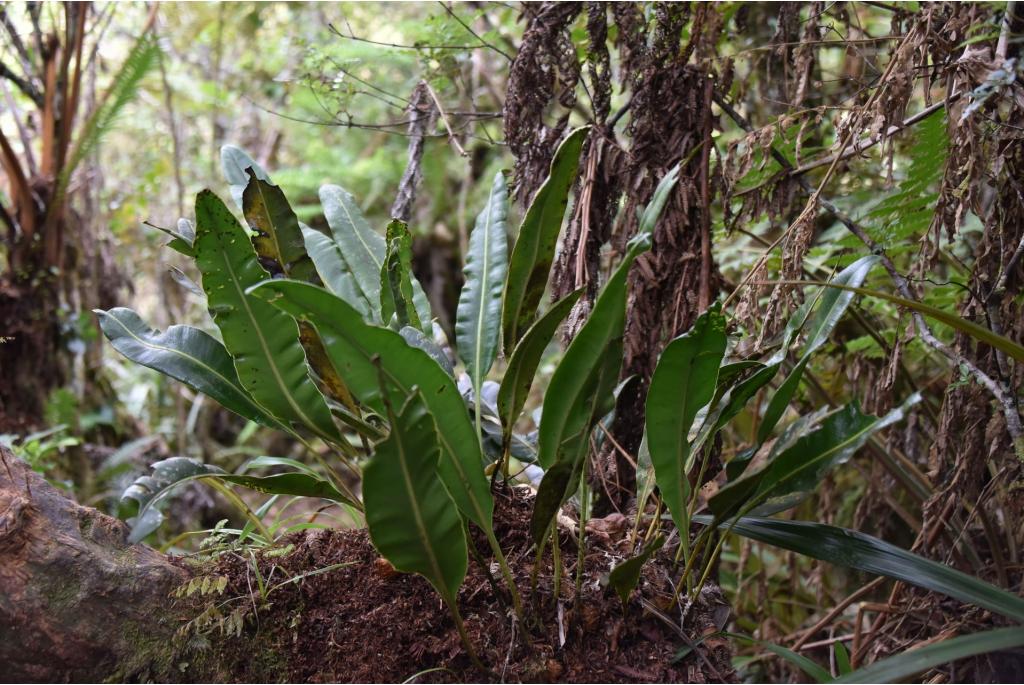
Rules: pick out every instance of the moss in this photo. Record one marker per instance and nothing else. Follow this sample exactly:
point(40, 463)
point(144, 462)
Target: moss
point(62, 593)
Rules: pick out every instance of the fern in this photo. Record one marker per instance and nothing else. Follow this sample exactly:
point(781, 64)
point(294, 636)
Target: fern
point(907, 213)
point(142, 58)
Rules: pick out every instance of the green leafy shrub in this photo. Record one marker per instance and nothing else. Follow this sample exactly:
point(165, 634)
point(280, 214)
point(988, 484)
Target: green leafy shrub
point(327, 335)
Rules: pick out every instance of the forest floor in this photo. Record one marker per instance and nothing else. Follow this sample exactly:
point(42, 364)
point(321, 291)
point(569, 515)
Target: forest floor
point(363, 622)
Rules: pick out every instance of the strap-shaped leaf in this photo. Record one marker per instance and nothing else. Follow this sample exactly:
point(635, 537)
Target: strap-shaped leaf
point(278, 238)
point(412, 521)
point(363, 250)
point(581, 385)
point(356, 347)
point(234, 162)
point(562, 479)
point(565, 414)
point(979, 333)
point(186, 354)
point(624, 577)
point(852, 549)
point(334, 272)
point(801, 466)
point(300, 484)
point(900, 667)
point(181, 237)
point(281, 249)
point(396, 293)
point(534, 249)
point(478, 317)
point(139, 500)
point(522, 367)
point(262, 340)
point(683, 382)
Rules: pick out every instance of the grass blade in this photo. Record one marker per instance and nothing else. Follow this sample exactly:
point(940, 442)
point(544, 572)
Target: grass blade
point(910, 663)
point(851, 549)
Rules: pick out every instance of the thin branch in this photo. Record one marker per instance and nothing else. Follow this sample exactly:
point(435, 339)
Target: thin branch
point(1005, 399)
point(400, 46)
point(444, 118)
point(17, 43)
point(24, 85)
point(875, 139)
point(483, 43)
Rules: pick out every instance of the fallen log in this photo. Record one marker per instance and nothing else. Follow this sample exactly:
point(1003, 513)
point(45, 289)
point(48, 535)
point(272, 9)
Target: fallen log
point(77, 602)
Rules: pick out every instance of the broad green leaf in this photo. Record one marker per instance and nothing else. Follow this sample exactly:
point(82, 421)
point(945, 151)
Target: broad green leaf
point(802, 466)
point(234, 163)
point(186, 354)
point(355, 347)
point(413, 522)
point(277, 237)
point(334, 271)
point(561, 480)
point(478, 317)
point(851, 549)
point(363, 250)
point(624, 577)
point(579, 393)
point(522, 367)
point(534, 249)
point(396, 295)
point(834, 304)
point(417, 338)
point(263, 341)
point(297, 483)
point(139, 500)
point(979, 333)
point(910, 663)
point(280, 247)
point(683, 382)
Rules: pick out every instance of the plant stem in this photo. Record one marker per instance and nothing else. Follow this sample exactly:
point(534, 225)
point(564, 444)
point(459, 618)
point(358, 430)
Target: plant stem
point(464, 636)
point(506, 572)
point(581, 544)
point(219, 486)
point(556, 563)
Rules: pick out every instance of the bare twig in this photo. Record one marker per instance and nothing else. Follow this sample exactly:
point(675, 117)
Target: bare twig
point(422, 115)
point(483, 43)
point(444, 119)
point(1003, 396)
point(24, 85)
point(399, 46)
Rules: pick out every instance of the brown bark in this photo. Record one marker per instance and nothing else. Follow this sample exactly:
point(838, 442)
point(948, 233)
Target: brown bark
point(77, 602)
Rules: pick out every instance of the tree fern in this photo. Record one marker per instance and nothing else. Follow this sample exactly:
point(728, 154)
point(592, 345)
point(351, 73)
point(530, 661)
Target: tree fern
point(123, 89)
point(907, 213)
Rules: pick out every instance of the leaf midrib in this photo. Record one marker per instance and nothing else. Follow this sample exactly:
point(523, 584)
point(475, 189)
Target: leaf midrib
point(173, 351)
point(417, 512)
point(484, 282)
point(440, 434)
point(266, 351)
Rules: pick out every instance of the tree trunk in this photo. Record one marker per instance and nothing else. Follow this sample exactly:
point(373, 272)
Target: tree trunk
point(77, 602)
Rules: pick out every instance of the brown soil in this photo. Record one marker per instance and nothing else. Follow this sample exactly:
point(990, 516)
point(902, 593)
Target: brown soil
point(366, 623)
